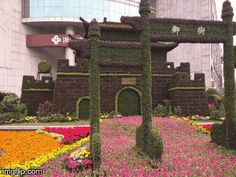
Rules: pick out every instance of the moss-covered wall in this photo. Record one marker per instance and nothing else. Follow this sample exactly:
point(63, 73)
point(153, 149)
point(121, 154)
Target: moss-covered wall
point(159, 57)
point(72, 83)
point(189, 94)
point(119, 35)
point(132, 54)
point(35, 92)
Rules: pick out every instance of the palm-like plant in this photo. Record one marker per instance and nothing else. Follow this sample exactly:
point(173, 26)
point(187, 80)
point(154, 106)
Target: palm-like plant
point(3, 94)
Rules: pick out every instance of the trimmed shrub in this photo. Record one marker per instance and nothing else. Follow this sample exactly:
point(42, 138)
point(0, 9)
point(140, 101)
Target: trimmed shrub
point(139, 138)
point(7, 117)
point(44, 67)
point(154, 146)
point(162, 111)
point(212, 91)
point(96, 147)
point(53, 118)
point(45, 109)
point(11, 110)
point(177, 111)
point(218, 134)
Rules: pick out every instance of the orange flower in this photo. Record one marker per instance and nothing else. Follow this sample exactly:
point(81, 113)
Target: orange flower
point(20, 147)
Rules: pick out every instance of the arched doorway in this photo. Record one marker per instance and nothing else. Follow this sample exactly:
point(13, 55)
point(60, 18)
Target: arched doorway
point(128, 101)
point(82, 108)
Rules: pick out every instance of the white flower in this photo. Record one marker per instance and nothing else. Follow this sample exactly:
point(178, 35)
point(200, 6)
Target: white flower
point(201, 30)
point(175, 29)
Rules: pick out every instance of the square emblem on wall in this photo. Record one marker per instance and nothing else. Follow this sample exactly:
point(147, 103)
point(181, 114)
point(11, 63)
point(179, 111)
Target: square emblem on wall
point(128, 81)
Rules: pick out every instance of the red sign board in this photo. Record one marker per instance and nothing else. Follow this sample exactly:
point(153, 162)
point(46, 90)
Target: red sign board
point(49, 40)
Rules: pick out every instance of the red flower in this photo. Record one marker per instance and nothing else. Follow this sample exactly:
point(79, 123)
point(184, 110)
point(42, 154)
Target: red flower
point(70, 134)
point(207, 126)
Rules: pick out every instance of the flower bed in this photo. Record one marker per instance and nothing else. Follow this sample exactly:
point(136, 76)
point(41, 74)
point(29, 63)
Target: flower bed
point(186, 152)
point(29, 149)
point(70, 134)
point(20, 147)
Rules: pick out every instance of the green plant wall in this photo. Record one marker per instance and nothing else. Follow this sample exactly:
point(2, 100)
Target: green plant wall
point(119, 35)
point(133, 54)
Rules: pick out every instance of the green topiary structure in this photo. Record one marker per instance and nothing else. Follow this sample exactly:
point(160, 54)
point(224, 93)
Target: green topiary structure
point(229, 62)
point(44, 67)
point(218, 134)
point(96, 145)
point(94, 90)
point(82, 108)
point(212, 91)
point(147, 139)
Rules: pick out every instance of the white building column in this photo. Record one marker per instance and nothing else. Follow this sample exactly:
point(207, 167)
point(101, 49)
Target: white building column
point(69, 52)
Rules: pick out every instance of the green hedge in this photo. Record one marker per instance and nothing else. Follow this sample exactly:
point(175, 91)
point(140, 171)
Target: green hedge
point(187, 88)
point(110, 74)
point(37, 90)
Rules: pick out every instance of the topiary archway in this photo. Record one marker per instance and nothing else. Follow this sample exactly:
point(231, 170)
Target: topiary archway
point(82, 108)
point(128, 101)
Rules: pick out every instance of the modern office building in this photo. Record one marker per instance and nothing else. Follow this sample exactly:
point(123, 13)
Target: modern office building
point(36, 30)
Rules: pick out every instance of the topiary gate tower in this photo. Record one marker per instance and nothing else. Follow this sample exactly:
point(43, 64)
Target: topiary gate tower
point(157, 30)
point(196, 31)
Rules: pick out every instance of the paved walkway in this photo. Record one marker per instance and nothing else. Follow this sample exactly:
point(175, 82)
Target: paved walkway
point(27, 128)
point(208, 123)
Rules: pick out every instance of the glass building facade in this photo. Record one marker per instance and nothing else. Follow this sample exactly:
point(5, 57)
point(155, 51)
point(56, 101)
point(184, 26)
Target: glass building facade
point(88, 9)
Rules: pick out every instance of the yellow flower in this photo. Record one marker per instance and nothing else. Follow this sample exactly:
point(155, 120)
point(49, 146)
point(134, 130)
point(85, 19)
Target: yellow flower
point(30, 118)
point(222, 118)
point(69, 118)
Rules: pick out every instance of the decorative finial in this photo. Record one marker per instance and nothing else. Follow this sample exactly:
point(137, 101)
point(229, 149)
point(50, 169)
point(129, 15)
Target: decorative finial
point(227, 10)
point(86, 26)
point(94, 29)
point(104, 19)
point(144, 5)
